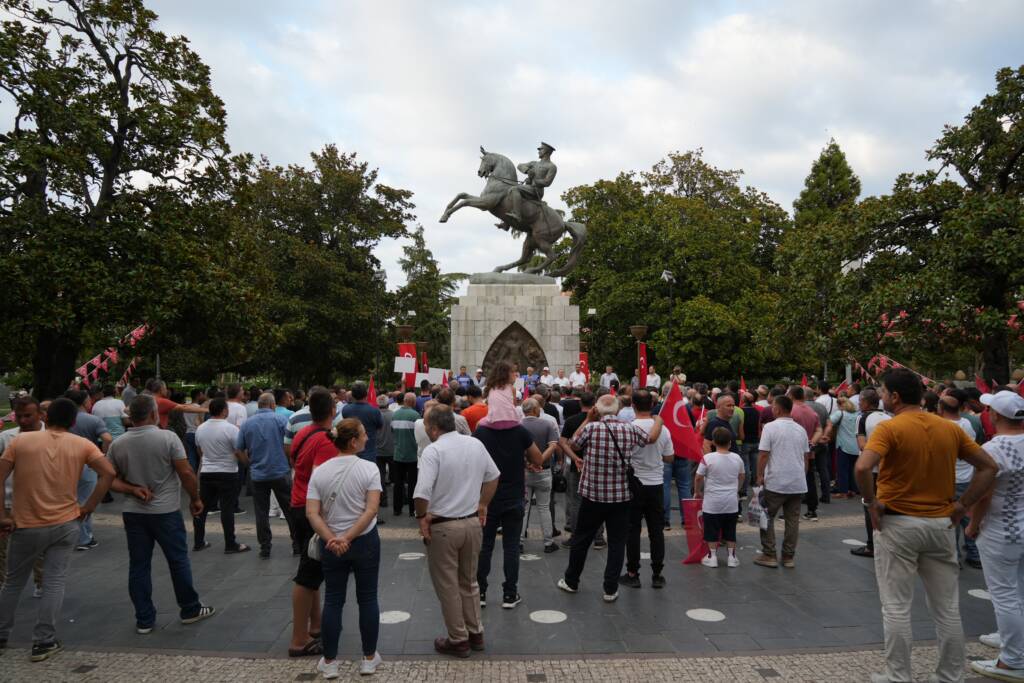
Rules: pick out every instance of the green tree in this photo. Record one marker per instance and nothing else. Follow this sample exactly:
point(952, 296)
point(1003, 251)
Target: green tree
point(694, 220)
point(942, 259)
point(114, 129)
point(426, 298)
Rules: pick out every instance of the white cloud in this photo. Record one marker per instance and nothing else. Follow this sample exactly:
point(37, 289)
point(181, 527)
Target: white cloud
point(416, 88)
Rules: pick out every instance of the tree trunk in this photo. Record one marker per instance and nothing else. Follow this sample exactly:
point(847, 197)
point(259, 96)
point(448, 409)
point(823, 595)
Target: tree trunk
point(53, 364)
point(996, 358)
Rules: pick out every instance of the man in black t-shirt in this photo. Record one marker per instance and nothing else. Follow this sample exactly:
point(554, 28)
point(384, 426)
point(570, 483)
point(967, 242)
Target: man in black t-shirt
point(510, 449)
point(721, 418)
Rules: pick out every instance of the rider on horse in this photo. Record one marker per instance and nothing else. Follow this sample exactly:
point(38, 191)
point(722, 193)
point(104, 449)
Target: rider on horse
point(539, 174)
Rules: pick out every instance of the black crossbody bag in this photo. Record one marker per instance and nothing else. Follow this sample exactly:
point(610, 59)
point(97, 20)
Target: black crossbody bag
point(631, 481)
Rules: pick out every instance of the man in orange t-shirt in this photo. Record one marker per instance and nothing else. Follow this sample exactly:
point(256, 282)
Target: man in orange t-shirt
point(46, 466)
point(166, 406)
point(916, 455)
point(477, 409)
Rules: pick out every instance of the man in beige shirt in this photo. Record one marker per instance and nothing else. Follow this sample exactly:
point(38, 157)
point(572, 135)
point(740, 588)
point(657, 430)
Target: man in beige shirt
point(46, 466)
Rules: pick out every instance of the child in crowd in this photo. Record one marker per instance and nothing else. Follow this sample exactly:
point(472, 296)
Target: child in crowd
point(501, 398)
point(719, 477)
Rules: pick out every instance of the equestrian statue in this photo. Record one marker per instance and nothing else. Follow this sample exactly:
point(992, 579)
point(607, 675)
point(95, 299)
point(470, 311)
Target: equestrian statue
point(520, 207)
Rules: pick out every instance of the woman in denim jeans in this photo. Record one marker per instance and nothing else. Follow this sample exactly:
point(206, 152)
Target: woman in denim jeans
point(341, 504)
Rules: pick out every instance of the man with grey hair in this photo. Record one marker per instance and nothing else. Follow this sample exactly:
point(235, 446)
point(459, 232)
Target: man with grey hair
point(261, 438)
point(451, 506)
point(152, 468)
point(607, 444)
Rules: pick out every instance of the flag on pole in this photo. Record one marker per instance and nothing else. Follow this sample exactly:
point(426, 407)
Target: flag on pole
point(743, 385)
point(371, 393)
point(585, 364)
point(641, 354)
point(408, 350)
point(686, 442)
point(803, 381)
point(425, 365)
point(693, 522)
point(843, 386)
point(981, 384)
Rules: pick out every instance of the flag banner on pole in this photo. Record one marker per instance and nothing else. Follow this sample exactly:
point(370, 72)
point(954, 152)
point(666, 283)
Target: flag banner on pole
point(686, 442)
point(641, 354)
point(585, 363)
point(424, 365)
point(371, 393)
point(693, 522)
point(408, 350)
point(743, 384)
point(803, 381)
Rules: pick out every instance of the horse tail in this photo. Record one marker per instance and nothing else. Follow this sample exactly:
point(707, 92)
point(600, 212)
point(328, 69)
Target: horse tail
point(579, 238)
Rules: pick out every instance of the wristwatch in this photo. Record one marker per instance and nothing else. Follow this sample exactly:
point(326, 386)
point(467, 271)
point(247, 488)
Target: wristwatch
point(419, 516)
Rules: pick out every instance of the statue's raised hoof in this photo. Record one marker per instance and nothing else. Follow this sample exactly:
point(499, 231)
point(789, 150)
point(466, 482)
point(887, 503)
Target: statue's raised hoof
point(443, 218)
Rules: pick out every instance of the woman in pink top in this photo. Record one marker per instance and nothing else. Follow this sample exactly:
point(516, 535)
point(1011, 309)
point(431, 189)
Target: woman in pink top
point(501, 398)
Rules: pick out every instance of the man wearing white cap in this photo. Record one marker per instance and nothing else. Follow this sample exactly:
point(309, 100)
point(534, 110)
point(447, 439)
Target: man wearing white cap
point(479, 379)
point(997, 520)
point(546, 377)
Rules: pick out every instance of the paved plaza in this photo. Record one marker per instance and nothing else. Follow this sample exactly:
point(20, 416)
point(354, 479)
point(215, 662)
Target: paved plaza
point(820, 621)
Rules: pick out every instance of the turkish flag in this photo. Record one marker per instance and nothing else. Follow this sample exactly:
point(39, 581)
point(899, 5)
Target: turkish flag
point(371, 393)
point(612, 390)
point(981, 384)
point(408, 350)
point(424, 364)
point(693, 522)
point(686, 442)
point(743, 385)
point(585, 363)
point(803, 381)
point(842, 387)
point(641, 351)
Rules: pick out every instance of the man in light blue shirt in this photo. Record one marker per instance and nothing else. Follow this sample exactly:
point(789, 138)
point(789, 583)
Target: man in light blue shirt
point(262, 437)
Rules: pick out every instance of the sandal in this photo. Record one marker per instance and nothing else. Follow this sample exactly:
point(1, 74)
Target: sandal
point(314, 636)
point(313, 647)
point(241, 548)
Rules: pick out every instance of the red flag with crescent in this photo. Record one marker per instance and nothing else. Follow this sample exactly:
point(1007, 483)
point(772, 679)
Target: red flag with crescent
point(585, 363)
point(408, 350)
point(693, 522)
point(686, 442)
point(641, 351)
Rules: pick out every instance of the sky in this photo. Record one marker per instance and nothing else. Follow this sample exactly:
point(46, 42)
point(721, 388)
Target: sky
point(415, 88)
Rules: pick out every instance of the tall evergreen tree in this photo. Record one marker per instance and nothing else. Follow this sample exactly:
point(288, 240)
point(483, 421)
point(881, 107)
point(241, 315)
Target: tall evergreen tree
point(426, 298)
point(830, 185)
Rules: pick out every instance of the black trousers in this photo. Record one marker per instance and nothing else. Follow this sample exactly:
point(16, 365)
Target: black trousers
point(509, 516)
point(261, 490)
point(649, 507)
point(220, 488)
point(615, 517)
point(403, 477)
point(384, 466)
point(819, 465)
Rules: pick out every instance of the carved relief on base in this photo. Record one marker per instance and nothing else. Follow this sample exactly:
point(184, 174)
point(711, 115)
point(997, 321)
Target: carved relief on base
point(515, 345)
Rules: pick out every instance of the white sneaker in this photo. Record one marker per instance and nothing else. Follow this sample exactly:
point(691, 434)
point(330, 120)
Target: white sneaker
point(733, 561)
point(566, 587)
point(991, 640)
point(369, 666)
point(710, 560)
point(329, 670)
point(612, 597)
point(987, 667)
point(37, 592)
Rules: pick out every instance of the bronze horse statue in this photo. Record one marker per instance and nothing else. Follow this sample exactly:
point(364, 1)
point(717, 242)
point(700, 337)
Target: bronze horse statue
point(542, 225)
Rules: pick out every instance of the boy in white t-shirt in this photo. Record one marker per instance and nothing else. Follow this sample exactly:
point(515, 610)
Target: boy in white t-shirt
point(719, 479)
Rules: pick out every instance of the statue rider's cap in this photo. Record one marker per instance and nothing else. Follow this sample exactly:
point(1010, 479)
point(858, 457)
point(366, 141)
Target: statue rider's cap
point(549, 147)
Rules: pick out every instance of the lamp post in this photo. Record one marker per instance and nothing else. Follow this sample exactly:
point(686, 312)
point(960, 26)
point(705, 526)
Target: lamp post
point(638, 332)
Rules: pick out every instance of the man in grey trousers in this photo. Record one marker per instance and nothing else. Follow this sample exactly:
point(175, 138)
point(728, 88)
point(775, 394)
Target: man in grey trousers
point(46, 466)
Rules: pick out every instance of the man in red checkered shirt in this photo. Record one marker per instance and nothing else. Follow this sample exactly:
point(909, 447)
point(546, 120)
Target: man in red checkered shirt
point(607, 444)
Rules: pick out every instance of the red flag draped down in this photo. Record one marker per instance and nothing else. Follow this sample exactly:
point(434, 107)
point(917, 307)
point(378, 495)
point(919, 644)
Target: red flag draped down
point(743, 385)
point(585, 363)
point(693, 522)
point(803, 381)
point(642, 363)
point(686, 442)
point(371, 393)
point(408, 350)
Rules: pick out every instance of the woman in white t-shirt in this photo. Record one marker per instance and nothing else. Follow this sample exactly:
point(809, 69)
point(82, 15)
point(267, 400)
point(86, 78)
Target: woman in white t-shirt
point(341, 505)
point(719, 479)
point(997, 521)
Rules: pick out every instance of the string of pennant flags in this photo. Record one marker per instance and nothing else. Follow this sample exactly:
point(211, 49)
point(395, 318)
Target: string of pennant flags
point(105, 360)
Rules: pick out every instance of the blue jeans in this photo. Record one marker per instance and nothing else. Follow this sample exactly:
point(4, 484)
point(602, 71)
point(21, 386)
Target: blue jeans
point(168, 531)
point(845, 481)
point(86, 485)
point(970, 547)
point(509, 516)
point(678, 469)
point(192, 451)
point(363, 560)
point(749, 454)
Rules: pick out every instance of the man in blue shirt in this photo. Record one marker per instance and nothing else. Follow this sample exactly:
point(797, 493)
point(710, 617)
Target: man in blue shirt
point(262, 437)
point(530, 379)
point(424, 396)
point(370, 417)
point(463, 378)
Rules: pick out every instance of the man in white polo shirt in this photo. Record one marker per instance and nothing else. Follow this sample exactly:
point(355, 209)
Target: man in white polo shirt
point(218, 476)
point(456, 480)
point(578, 378)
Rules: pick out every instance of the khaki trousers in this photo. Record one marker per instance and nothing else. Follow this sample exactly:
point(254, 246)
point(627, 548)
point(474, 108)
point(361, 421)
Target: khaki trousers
point(910, 547)
point(452, 557)
point(789, 503)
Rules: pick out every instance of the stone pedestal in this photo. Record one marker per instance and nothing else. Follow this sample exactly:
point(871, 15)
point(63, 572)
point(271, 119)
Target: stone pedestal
point(515, 317)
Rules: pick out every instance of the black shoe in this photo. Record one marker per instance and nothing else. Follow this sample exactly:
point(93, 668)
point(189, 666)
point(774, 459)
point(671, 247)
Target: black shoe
point(510, 600)
point(567, 543)
point(667, 526)
point(107, 498)
point(41, 651)
point(239, 511)
point(825, 499)
point(398, 513)
point(381, 521)
point(87, 546)
point(551, 547)
point(556, 533)
point(600, 543)
point(657, 581)
point(633, 581)
point(296, 550)
point(811, 516)
point(412, 514)
point(200, 546)
point(264, 554)
point(863, 551)
point(971, 562)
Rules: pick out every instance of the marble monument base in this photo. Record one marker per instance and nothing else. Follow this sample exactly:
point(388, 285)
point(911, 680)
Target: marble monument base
point(515, 317)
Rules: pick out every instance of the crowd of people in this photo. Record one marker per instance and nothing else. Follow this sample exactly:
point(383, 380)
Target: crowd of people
point(477, 457)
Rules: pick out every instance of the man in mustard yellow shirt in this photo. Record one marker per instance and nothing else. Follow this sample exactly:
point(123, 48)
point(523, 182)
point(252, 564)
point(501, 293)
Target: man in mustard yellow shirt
point(914, 513)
